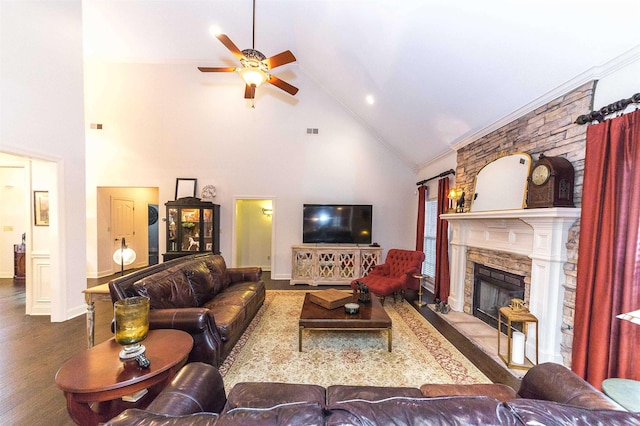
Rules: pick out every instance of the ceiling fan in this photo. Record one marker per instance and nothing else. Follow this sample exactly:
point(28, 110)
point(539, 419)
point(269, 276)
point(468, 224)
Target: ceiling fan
point(256, 66)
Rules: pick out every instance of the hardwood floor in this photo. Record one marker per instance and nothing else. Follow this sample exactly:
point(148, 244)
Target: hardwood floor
point(33, 349)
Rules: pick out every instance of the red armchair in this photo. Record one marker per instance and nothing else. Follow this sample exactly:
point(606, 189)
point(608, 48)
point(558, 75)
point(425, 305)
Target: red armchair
point(394, 275)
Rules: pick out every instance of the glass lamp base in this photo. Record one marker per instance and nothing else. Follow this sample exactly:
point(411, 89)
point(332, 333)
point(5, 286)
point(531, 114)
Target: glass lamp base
point(137, 353)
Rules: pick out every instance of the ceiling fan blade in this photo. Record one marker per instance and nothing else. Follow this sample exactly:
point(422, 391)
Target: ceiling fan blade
point(216, 69)
point(280, 59)
point(249, 92)
point(292, 90)
point(230, 45)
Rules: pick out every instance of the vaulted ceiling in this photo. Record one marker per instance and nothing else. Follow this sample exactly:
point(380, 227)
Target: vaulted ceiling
point(439, 71)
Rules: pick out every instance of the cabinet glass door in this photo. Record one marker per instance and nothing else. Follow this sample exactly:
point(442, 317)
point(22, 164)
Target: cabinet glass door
point(190, 229)
point(173, 231)
point(207, 229)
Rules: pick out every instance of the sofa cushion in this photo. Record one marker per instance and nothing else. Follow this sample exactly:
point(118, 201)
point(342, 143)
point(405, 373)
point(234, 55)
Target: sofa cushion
point(498, 391)
point(462, 410)
point(167, 289)
point(338, 393)
point(138, 417)
point(203, 282)
point(537, 412)
point(291, 414)
point(229, 320)
point(269, 394)
point(233, 308)
point(218, 266)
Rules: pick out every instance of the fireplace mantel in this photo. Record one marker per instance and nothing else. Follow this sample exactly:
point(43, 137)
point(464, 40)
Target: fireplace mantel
point(540, 234)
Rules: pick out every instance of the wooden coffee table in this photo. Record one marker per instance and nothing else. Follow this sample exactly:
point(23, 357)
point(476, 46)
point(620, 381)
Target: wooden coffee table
point(95, 380)
point(371, 317)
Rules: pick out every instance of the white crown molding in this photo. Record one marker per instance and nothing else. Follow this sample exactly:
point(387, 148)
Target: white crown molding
point(594, 73)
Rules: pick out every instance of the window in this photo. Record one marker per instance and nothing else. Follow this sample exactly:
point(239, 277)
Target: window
point(430, 217)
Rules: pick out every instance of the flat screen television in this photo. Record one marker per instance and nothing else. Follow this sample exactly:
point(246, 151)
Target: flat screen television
point(336, 223)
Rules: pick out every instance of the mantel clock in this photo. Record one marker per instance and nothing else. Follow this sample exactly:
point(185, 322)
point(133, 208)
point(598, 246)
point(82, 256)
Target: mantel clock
point(550, 183)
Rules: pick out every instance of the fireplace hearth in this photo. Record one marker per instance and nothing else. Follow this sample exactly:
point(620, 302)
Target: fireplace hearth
point(492, 290)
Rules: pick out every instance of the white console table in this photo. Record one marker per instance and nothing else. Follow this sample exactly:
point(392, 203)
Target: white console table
point(316, 264)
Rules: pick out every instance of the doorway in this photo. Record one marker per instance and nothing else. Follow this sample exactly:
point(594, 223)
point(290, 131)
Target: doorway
point(124, 212)
point(253, 232)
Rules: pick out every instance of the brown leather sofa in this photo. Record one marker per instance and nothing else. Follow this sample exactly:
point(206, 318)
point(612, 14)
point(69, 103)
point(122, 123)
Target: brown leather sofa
point(549, 394)
point(200, 295)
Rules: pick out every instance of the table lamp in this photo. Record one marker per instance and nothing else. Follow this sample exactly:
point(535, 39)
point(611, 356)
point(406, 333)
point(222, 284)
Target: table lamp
point(124, 256)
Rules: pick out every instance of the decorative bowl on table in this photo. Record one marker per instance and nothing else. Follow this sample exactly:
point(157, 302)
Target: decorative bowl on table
point(351, 308)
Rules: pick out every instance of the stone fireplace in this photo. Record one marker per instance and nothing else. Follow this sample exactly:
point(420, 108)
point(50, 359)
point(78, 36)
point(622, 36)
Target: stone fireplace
point(539, 235)
point(528, 242)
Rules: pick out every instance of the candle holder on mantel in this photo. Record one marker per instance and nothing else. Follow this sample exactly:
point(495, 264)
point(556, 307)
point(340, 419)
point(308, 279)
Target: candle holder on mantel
point(516, 340)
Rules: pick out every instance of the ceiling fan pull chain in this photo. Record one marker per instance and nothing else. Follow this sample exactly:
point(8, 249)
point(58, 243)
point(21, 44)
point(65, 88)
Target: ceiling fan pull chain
point(253, 40)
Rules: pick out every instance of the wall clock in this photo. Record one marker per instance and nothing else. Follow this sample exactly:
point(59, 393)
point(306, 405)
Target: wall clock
point(550, 183)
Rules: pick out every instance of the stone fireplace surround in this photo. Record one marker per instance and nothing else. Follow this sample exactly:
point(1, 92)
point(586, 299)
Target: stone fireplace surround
point(539, 234)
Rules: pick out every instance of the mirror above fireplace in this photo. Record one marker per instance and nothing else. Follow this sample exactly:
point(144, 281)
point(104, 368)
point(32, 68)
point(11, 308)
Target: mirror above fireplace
point(502, 184)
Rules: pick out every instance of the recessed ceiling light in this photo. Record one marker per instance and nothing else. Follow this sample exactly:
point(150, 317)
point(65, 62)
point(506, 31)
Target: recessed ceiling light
point(214, 30)
point(370, 100)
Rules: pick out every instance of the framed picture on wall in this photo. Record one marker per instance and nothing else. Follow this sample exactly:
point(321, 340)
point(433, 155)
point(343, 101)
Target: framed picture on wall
point(41, 207)
point(185, 187)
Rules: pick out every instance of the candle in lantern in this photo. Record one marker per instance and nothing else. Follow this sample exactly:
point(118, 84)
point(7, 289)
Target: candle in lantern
point(517, 349)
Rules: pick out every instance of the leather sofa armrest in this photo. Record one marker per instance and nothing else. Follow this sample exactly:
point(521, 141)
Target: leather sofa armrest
point(554, 382)
point(191, 320)
point(244, 274)
point(198, 387)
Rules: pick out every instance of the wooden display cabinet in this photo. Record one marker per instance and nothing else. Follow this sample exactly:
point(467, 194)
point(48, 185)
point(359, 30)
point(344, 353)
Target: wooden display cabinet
point(193, 226)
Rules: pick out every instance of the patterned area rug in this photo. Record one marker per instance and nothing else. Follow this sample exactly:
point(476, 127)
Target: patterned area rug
point(268, 351)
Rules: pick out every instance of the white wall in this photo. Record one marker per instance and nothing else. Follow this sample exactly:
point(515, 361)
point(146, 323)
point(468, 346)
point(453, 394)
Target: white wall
point(161, 122)
point(41, 116)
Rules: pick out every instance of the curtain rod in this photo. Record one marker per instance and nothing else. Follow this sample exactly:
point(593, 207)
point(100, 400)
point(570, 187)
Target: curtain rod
point(600, 114)
point(443, 174)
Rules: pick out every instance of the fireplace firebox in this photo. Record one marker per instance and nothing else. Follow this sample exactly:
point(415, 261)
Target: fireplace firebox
point(492, 290)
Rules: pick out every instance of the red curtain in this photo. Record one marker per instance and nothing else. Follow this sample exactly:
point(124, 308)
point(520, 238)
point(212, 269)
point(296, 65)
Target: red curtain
point(609, 253)
point(442, 283)
point(422, 198)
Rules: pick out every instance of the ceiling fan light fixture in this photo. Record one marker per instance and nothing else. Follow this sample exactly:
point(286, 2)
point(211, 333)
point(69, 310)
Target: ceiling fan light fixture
point(253, 76)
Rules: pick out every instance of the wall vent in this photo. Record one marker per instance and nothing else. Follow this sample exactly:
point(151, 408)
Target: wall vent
point(311, 131)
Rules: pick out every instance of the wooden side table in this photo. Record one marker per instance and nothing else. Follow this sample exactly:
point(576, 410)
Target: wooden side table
point(95, 380)
point(99, 292)
point(419, 303)
point(524, 317)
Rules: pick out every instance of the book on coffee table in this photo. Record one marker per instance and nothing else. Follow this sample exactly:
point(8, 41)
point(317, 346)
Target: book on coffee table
point(330, 298)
